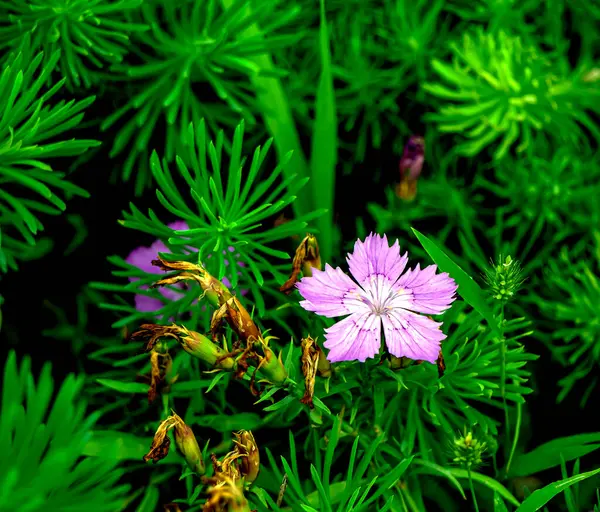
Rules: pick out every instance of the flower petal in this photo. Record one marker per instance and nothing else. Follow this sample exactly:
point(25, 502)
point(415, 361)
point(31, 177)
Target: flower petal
point(355, 337)
point(410, 335)
point(145, 304)
point(142, 258)
point(424, 291)
point(178, 225)
point(330, 293)
point(374, 257)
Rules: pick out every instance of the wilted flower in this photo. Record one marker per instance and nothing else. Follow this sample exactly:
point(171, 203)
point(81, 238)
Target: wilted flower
point(184, 439)
point(250, 461)
point(306, 258)
point(161, 365)
point(309, 360)
point(142, 258)
point(385, 293)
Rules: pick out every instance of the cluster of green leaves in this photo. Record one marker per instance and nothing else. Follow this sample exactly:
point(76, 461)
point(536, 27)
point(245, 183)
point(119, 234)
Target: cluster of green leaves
point(227, 208)
point(503, 88)
point(194, 63)
point(43, 435)
point(90, 34)
point(32, 130)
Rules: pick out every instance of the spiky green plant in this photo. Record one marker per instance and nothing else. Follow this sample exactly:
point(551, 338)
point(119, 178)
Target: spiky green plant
point(43, 436)
point(503, 91)
point(226, 207)
point(32, 131)
point(570, 302)
point(91, 34)
point(196, 62)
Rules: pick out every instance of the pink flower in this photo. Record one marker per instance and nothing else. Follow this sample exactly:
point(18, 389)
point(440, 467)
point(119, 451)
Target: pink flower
point(386, 294)
point(142, 258)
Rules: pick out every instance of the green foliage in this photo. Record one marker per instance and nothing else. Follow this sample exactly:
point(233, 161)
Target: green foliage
point(32, 130)
point(570, 302)
point(502, 89)
point(354, 491)
point(189, 89)
point(91, 34)
point(201, 46)
point(43, 435)
point(227, 208)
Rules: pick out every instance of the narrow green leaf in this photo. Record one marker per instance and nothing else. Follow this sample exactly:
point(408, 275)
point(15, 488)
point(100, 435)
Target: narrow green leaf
point(468, 289)
point(499, 505)
point(150, 501)
point(542, 496)
point(124, 387)
point(323, 158)
point(494, 485)
point(549, 454)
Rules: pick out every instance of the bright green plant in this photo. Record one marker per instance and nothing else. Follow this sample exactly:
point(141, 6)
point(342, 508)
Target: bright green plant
point(44, 438)
point(503, 91)
point(32, 130)
point(91, 34)
point(203, 47)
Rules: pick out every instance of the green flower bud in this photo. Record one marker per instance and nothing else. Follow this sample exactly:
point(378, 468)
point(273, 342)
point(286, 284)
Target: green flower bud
point(504, 279)
point(188, 445)
point(468, 451)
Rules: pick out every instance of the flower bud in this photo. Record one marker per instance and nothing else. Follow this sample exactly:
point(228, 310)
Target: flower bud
point(411, 165)
point(188, 445)
point(468, 451)
point(272, 366)
point(323, 365)
point(504, 279)
point(192, 342)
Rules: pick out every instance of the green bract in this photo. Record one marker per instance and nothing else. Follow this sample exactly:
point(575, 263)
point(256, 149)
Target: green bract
point(32, 130)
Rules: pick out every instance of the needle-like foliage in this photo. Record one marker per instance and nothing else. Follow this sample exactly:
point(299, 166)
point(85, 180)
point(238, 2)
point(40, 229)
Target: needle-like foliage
point(42, 436)
point(91, 34)
point(194, 63)
point(502, 91)
point(32, 131)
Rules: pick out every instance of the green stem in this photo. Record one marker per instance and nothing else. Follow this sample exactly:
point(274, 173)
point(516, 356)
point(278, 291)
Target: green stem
point(409, 499)
point(472, 489)
point(503, 352)
point(516, 438)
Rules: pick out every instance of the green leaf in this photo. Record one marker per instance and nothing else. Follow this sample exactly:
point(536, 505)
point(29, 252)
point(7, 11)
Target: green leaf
point(468, 289)
point(324, 144)
point(150, 500)
point(499, 505)
point(494, 485)
point(124, 445)
point(549, 454)
point(124, 387)
point(542, 496)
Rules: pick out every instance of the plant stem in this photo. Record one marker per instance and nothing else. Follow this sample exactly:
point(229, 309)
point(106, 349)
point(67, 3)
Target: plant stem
point(516, 438)
point(472, 489)
point(503, 352)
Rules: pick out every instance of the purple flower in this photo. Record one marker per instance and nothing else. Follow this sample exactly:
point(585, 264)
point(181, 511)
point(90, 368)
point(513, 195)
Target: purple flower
point(142, 258)
point(413, 158)
point(384, 293)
